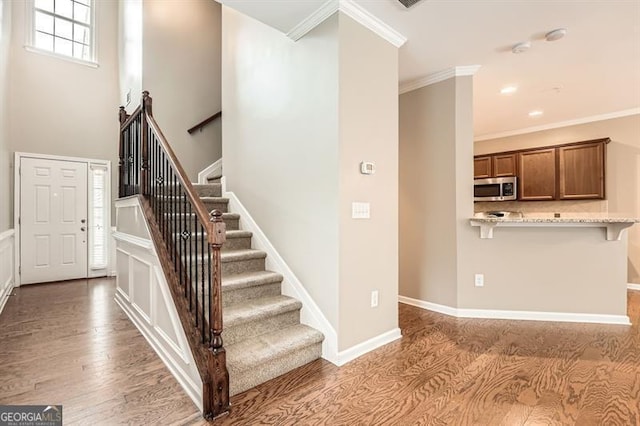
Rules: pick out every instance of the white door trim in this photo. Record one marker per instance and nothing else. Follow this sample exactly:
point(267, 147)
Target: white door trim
point(18, 156)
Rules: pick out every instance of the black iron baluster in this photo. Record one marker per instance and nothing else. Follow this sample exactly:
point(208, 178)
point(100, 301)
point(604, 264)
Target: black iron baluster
point(209, 284)
point(205, 264)
point(195, 251)
point(190, 263)
point(172, 225)
point(184, 247)
point(167, 205)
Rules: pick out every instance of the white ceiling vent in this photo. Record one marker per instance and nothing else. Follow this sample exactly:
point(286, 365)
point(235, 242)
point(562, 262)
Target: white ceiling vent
point(409, 3)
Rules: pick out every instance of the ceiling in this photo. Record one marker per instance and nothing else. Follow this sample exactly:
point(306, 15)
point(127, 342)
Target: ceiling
point(593, 71)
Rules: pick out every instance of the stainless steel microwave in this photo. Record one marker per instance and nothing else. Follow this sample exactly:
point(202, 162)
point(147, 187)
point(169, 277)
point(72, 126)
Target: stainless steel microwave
point(495, 189)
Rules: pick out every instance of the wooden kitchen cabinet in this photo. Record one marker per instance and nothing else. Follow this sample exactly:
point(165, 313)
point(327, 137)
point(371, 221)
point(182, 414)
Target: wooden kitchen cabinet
point(504, 165)
point(482, 167)
point(537, 174)
point(581, 171)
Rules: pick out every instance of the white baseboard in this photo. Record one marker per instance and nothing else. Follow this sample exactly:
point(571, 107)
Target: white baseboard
point(429, 306)
point(7, 270)
point(633, 286)
point(367, 346)
point(214, 169)
point(310, 314)
point(517, 315)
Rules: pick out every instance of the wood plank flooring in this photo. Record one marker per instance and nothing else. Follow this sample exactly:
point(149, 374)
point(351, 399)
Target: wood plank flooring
point(68, 343)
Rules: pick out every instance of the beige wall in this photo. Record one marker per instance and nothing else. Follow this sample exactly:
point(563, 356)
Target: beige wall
point(280, 148)
point(6, 160)
point(623, 172)
point(427, 188)
point(368, 126)
point(181, 69)
point(299, 117)
point(60, 107)
point(130, 52)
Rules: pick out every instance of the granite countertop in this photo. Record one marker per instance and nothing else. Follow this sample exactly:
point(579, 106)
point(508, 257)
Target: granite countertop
point(568, 219)
point(615, 224)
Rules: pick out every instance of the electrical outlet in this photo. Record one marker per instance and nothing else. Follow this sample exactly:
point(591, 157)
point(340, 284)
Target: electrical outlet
point(479, 280)
point(374, 298)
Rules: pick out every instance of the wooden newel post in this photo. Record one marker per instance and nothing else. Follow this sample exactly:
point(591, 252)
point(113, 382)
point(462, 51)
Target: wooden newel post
point(122, 117)
point(217, 358)
point(144, 129)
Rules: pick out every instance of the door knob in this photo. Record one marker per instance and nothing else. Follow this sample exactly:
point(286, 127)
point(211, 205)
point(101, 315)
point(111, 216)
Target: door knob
point(82, 229)
point(83, 220)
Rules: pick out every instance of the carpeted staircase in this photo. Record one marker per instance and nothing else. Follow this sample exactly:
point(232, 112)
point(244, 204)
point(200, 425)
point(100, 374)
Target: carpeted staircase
point(262, 334)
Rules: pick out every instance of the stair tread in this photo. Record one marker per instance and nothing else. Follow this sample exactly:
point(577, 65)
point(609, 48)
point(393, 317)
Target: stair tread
point(242, 254)
point(218, 199)
point(257, 309)
point(254, 352)
point(224, 215)
point(231, 233)
point(250, 279)
point(238, 233)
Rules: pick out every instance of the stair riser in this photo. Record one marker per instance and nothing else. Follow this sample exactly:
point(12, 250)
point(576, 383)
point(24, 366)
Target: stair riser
point(237, 267)
point(230, 244)
point(175, 205)
point(244, 380)
point(190, 225)
point(205, 191)
point(230, 297)
point(212, 190)
point(252, 329)
point(237, 244)
point(223, 206)
point(230, 268)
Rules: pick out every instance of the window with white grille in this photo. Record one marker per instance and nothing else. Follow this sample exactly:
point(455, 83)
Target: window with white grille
point(64, 27)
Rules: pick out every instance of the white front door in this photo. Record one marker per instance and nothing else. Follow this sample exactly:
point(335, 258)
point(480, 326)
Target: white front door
point(53, 220)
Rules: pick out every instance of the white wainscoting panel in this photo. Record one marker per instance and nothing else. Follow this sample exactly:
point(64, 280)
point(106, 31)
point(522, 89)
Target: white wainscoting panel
point(7, 275)
point(144, 295)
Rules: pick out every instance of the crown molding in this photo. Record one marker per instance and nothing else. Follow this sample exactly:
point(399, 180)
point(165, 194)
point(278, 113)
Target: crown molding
point(313, 20)
point(352, 10)
point(438, 76)
point(366, 19)
point(556, 125)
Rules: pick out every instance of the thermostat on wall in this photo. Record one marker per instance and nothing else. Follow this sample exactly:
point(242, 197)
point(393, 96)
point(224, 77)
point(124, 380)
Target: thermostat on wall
point(367, 168)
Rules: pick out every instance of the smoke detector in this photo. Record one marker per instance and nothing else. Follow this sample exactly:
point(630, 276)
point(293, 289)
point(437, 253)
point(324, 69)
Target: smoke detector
point(555, 34)
point(521, 47)
point(408, 3)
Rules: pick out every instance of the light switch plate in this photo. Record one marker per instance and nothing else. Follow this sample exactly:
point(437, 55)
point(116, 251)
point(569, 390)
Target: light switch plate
point(360, 210)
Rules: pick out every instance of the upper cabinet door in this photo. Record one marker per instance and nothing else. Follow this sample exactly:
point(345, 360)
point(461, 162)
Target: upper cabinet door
point(537, 174)
point(582, 171)
point(482, 167)
point(504, 165)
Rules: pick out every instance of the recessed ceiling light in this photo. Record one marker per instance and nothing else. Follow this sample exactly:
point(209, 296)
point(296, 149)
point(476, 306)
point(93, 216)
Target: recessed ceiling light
point(521, 47)
point(556, 34)
point(535, 113)
point(508, 90)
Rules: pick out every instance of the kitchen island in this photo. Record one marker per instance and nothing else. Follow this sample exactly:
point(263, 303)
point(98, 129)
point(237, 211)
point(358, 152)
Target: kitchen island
point(541, 267)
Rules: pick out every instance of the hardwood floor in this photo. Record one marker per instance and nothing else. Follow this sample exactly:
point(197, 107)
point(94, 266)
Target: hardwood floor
point(70, 344)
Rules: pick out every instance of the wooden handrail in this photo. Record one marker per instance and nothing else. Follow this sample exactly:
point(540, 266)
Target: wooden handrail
point(204, 122)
